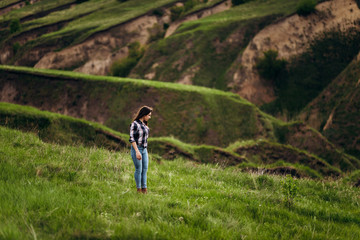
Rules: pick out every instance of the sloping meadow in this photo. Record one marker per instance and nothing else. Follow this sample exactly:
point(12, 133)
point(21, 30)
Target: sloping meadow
point(49, 191)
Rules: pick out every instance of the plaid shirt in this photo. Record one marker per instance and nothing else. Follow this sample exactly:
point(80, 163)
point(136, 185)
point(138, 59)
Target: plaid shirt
point(139, 133)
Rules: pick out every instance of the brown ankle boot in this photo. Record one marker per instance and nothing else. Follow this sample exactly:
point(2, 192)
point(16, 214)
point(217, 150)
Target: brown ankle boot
point(144, 190)
point(139, 190)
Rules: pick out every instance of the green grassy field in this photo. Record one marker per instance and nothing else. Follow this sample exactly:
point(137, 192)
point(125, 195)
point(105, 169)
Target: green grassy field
point(56, 192)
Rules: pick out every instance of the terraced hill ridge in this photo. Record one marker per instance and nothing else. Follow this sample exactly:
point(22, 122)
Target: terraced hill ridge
point(280, 159)
point(191, 114)
point(301, 148)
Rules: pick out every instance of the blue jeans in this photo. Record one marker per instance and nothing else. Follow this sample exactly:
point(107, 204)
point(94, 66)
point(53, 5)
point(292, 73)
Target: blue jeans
point(141, 166)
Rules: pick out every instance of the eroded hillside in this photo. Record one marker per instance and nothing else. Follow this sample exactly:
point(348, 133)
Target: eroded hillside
point(214, 44)
point(289, 37)
point(335, 112)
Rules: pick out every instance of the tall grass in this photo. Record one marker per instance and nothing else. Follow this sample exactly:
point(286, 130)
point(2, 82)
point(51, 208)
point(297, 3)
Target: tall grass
point(56, 192)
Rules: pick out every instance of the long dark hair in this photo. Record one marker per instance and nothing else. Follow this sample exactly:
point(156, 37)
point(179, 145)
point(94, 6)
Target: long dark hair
point(143, 111)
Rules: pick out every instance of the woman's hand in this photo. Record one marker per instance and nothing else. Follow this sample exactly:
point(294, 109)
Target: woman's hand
point(138, 155)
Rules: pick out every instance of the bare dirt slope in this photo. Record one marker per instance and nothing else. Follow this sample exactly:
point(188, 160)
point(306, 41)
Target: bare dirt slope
point(289, 37)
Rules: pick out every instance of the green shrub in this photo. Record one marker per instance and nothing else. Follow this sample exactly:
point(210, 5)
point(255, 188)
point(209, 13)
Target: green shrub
point(15, 26)
point(156, 32)
point(176, 12)
point(81, 1)
point(166, 26)
point(123, 67)
point(16, 46)
point(306, 7)
point(238, 2)
point(270, 67)
point(189, 4)
point(289, 187)
point(158, 12)
point(27, 2)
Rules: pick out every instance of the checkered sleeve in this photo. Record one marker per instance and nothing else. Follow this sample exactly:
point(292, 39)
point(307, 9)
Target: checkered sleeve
point(133, 129)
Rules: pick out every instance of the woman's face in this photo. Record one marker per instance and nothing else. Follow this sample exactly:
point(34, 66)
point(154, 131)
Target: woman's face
point(147, 117)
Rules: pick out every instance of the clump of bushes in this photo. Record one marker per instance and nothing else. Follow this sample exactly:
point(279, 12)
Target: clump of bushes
point(189, 4)
point(270, 67)
point(15, 26)
point(306, 7)
point(16, 46)
point(123, 67)
point(158, 12)
point(81, 1)
point(176, 12)
point(238, 2)
point(156, 32)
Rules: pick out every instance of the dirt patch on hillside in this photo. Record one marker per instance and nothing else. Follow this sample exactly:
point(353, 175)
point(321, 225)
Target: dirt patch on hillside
point(8, 93)
point(289, 37)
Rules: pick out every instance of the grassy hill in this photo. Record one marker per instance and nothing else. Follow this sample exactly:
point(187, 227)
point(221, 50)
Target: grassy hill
point(58, 192)
point(191, 114)
point(253, 155)
point(60, 129)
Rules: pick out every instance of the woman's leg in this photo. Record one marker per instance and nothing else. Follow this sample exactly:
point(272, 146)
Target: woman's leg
point(145, 164)
point(138, 168)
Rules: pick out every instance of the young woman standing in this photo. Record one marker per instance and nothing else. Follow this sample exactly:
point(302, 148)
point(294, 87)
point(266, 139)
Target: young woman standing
point(139, 133)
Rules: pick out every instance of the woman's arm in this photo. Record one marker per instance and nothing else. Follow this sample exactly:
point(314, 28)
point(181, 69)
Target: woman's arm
point(133, 129)
point(138, 155)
